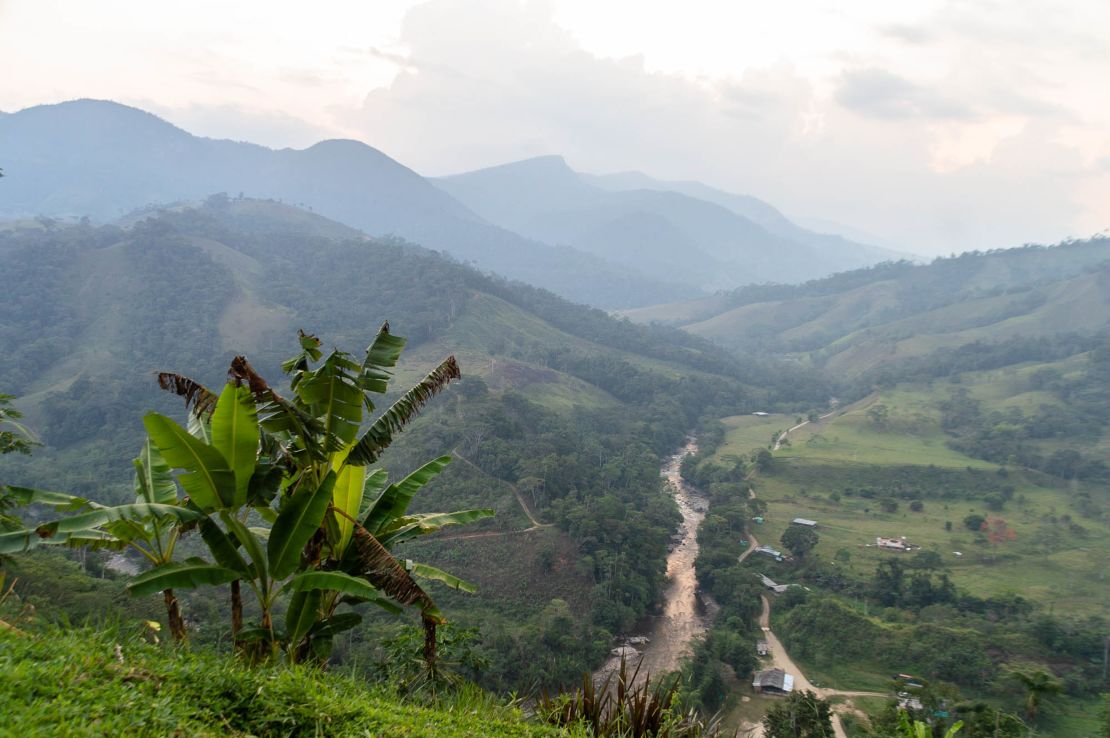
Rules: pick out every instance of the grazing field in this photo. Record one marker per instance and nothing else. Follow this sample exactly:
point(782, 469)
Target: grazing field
point(861, 479)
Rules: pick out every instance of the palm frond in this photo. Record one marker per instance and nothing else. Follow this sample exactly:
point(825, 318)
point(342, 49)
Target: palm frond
point(382, 569)
point(198, 398)
point(380, 434)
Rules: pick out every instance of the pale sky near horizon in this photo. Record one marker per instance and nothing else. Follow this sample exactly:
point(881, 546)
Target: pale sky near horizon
point(935, 125)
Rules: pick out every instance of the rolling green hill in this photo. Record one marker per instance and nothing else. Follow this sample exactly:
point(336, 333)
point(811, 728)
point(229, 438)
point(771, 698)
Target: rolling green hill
point(857, 321)
point(840, 470)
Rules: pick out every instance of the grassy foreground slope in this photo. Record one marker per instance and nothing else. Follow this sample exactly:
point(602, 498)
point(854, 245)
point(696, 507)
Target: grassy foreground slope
point(56, 682)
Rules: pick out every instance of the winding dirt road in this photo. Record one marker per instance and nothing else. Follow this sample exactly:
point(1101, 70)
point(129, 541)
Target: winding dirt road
point(788, 431)
point(780, 659)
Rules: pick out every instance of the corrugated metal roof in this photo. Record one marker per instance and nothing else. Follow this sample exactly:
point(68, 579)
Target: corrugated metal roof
point(775, 679)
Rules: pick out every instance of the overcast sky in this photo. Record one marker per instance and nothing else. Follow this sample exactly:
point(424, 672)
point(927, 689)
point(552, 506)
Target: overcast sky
point(936, 126)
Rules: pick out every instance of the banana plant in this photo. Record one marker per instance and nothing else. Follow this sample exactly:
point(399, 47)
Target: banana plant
point(151, 525)
point(332, 519)
point(297, 469)
point(919, 729)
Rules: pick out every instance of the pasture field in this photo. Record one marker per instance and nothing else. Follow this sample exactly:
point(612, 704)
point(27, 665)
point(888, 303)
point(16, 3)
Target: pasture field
point(838, 472)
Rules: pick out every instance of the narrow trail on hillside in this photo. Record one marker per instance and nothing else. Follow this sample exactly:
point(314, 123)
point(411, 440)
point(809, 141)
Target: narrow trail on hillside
point(788, 431)
point(519, 497)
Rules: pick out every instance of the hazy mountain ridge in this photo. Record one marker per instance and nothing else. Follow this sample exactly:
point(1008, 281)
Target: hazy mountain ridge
point(104, 160)
point(713, 239)
point(859, 320)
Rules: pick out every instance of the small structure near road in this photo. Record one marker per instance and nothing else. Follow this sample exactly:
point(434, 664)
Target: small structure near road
point(762, 648)
point(910, 703)
point(774, 553)
point(804, 521)
point(773, 681)
point(761, 414)
point(770, 584)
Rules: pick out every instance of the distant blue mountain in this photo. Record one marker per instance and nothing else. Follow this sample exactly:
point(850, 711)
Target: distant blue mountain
point(679, 230)
point(103, 160)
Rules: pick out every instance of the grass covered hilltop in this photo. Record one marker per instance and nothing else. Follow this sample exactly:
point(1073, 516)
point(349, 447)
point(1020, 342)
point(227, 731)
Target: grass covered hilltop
point(75, 682)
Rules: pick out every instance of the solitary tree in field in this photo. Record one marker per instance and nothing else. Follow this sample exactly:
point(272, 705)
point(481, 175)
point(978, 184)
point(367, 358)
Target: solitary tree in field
point(800, 540)
point(879, 415)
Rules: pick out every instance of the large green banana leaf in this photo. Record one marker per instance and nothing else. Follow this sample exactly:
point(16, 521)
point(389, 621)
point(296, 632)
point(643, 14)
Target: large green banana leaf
point(61, 501)
point(347, 499)
point(153, 477)
point(395, 499)
point(221, 546)
point(430, 572)
point(20, 541)
point(251, 545)
point(333, 580)
point(356, 587)
point(191, 573)
point(381, 356)
point(302, 614)
point(376, 481)
point(137, 512)
point(299, 518)
point(235, 435)
point(331, 394)
point(413, 526)
point(209, 481)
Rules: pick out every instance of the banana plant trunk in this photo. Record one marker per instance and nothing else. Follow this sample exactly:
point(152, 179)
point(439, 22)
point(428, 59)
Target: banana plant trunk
point(236, 614)
point(430, 645)
point(173, 615)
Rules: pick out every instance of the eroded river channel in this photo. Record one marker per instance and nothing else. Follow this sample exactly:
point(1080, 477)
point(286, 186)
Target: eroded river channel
point(670, 635)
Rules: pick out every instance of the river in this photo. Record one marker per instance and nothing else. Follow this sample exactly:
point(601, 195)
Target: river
point(671, 634)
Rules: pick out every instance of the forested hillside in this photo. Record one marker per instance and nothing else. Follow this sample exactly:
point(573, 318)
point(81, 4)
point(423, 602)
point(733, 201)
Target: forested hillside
point(558, 424)
point(899, 312)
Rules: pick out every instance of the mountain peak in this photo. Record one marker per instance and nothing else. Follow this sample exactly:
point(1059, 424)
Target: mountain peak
point(96, 112)
point(545, 167)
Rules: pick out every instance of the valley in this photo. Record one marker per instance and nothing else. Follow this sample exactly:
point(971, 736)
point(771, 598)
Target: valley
point(549, 369)
point(981, 449)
